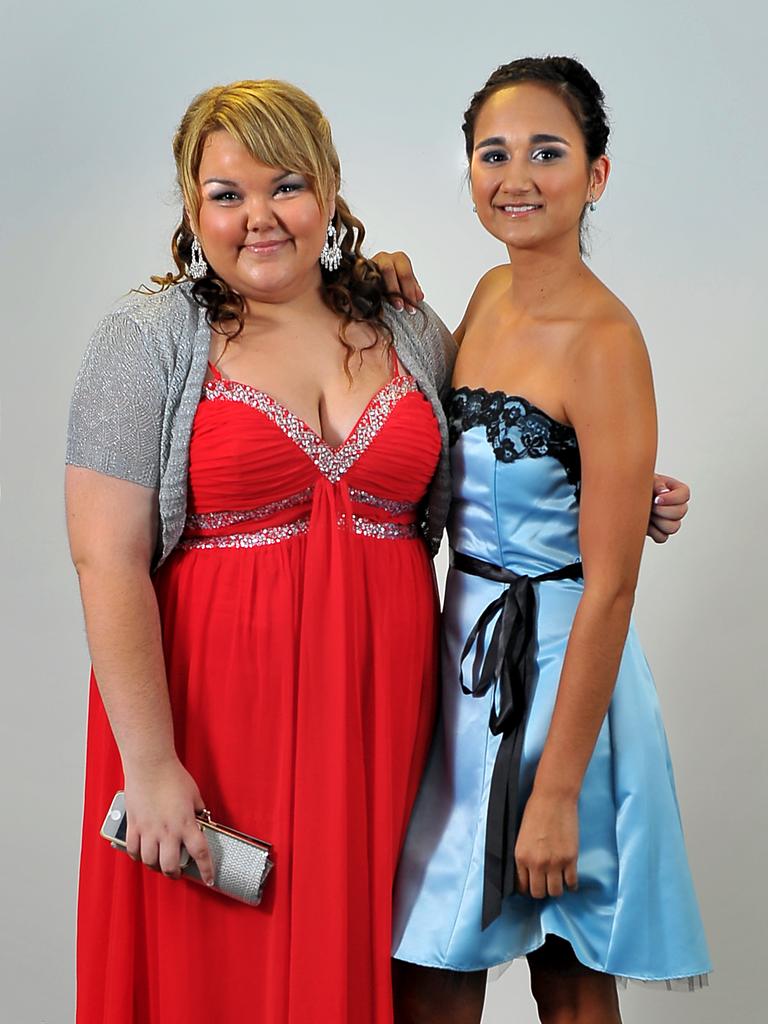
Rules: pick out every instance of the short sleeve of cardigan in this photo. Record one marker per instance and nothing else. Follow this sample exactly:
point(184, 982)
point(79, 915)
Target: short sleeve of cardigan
point(428, 339)
point(117, 409)
point(441, 347)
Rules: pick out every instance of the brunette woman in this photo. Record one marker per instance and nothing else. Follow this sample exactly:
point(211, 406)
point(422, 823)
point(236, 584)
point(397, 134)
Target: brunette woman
point(547, 823)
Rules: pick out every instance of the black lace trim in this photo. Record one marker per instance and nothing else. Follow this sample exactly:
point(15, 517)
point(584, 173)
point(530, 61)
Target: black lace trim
point(515, 428)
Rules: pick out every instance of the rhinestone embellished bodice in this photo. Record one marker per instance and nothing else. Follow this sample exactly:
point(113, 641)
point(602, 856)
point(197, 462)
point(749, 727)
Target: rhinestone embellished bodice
point(256, 468)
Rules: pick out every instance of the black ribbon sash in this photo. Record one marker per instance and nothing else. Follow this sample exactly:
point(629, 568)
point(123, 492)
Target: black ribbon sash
point(508, 668)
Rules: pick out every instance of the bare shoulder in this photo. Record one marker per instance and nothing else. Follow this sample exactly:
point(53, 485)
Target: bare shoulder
point(487, 290)
point(608, 337)
point(493, 281)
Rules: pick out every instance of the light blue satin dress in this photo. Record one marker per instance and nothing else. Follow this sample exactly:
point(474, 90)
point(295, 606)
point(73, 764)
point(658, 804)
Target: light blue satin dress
point(516, 479)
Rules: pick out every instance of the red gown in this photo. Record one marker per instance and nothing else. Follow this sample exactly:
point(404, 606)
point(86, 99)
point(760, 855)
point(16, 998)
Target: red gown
point(299, 618)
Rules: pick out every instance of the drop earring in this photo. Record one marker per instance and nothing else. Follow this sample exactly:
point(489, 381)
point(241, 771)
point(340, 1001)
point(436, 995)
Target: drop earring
point(197, 267)
point(592, 204)
point(330, 257)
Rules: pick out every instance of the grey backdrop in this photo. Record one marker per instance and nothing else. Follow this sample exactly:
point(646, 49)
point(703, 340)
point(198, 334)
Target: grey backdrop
point(91, 94)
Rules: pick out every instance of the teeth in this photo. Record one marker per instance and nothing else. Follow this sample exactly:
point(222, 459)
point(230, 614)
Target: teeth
point(518, 209)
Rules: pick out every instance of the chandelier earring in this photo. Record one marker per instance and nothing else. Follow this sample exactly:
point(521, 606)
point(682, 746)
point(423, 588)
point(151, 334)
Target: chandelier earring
point(197, 267)
point(330, 257)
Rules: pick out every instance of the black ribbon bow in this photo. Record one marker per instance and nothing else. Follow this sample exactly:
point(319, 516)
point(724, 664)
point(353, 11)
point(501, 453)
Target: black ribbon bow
point(509, 668)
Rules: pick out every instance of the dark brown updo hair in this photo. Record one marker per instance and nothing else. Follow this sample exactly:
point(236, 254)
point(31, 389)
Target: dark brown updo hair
point(565, 77)
point(281, 126)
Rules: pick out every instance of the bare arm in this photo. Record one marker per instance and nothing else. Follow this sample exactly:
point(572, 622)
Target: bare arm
point(612, 409)
point(112, 526)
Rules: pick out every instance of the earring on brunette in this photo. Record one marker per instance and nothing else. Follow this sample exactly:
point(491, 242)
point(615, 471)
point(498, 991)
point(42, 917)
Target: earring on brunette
point(592, 204)
point(330, 257)
point(198, 267)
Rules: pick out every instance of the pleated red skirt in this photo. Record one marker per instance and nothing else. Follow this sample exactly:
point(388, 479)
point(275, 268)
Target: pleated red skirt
point(299, 618)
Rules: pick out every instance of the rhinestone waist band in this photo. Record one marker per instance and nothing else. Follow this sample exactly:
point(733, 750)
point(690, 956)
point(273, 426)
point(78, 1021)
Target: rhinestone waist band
point(209, 530)
point(361, 526)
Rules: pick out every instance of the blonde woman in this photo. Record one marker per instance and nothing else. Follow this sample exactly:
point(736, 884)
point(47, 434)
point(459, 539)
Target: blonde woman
point(254, 454)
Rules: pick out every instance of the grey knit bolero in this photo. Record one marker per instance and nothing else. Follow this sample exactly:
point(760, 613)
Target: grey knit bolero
point(140, 382)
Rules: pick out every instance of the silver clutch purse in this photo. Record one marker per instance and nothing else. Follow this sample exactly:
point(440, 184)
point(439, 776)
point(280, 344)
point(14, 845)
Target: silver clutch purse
point(241, 862)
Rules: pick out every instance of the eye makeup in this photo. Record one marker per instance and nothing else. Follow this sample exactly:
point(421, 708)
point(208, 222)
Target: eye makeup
point(547, 154)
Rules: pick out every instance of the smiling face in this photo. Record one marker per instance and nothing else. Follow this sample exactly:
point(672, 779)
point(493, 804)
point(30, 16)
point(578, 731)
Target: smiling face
point(261, 228)
point(531, 178)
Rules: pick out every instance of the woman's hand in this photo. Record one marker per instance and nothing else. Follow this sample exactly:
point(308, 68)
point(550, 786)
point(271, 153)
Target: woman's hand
point(547, 846)
point(669, 508)
point(161, 803)
point(399, 280)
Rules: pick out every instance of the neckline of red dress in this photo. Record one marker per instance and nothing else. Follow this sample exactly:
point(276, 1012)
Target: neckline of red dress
point(219, 379)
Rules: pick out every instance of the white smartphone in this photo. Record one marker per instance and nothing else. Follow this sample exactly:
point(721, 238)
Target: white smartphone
point(115, 828)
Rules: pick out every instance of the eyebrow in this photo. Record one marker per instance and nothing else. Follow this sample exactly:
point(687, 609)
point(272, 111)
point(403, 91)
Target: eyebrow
point(535, 139)
point(499, 140)
point(235, 184)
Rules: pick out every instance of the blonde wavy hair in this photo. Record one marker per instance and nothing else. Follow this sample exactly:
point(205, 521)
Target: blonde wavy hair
point(281, 126)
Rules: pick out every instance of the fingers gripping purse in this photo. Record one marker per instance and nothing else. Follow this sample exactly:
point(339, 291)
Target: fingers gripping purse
point(241, 863)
